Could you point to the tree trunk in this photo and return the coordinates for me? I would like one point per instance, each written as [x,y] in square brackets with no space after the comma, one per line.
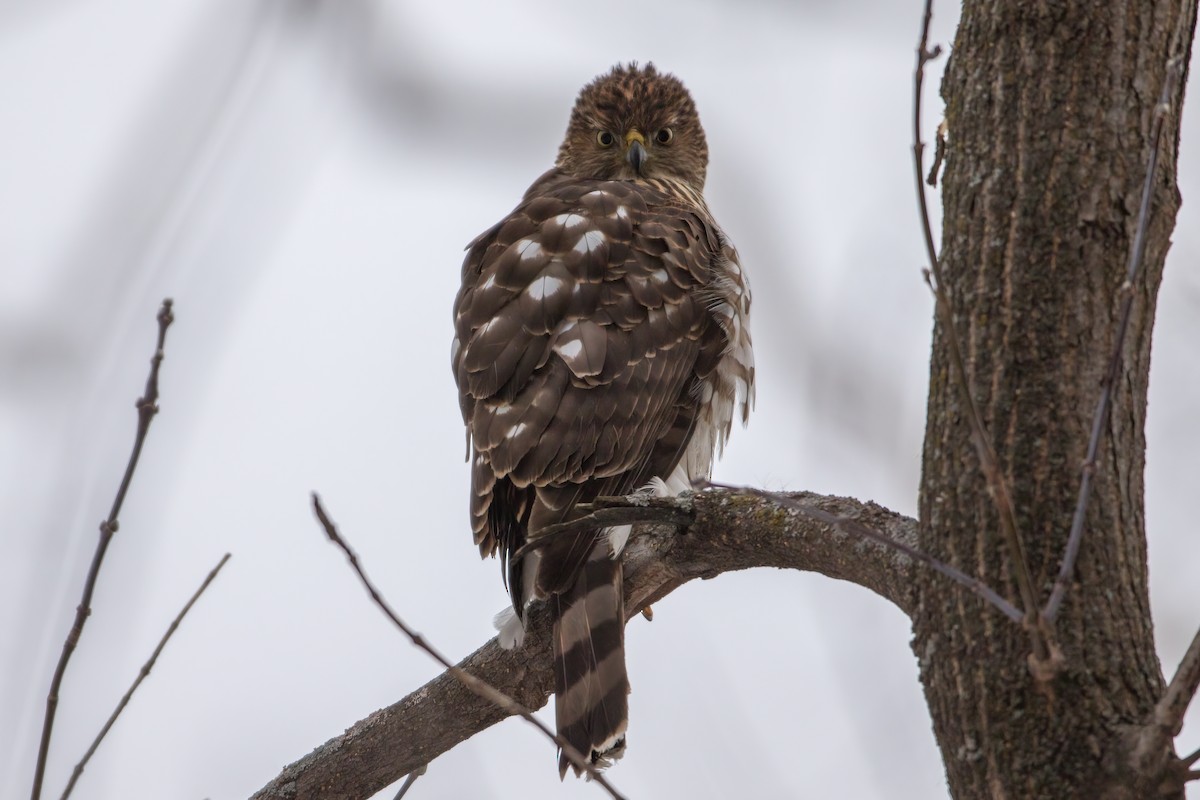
[1049,108]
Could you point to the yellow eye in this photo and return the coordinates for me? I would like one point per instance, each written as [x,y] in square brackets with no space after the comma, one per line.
[606,139]
[664,136]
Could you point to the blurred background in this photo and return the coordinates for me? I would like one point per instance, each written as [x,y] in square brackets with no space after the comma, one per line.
[301,177]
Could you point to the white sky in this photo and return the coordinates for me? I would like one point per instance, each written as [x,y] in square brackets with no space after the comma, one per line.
[301,177]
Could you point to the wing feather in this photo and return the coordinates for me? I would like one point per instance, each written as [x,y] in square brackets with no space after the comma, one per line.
[581,328]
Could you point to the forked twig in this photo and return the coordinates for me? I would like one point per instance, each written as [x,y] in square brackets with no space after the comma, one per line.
[142,674]
[1104,403]
[988,462]
[147,407]
[479,687]
[856,528]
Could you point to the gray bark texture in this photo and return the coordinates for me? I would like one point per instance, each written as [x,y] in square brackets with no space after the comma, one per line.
[1049,107]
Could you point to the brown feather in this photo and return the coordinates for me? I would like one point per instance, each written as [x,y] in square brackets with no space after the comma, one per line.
[601,341]
[591,687]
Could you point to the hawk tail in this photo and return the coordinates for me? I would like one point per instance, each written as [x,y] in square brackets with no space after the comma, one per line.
[590,683]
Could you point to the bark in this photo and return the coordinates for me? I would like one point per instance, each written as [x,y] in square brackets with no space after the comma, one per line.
[728,532]
[1049,108]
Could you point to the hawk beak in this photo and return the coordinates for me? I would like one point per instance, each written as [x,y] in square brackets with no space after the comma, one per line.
[636,152]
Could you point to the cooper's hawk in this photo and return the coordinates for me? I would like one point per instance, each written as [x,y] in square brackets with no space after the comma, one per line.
[601,344]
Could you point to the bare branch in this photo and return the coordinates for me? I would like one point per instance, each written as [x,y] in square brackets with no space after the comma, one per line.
[408,782]
[997,485]
[1100,419]
[142,674]
[604,516]
[147,407]
[730,532]
[856,528]
[1169,712]
[479,687]
[924,55]
[1154,740]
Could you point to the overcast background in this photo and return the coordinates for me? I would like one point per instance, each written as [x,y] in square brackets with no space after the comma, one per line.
[301,177]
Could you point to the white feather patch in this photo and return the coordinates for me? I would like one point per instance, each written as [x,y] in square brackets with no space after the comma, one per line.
[589,241]
[679,481]
[657,487]
[569,221]
[528,249]
[571,349]
[544,286]
[511,633]
[617,537]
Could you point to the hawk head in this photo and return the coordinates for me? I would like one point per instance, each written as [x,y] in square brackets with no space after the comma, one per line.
[635,122]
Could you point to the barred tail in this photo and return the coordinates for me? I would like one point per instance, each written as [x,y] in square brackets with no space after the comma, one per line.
[591,685]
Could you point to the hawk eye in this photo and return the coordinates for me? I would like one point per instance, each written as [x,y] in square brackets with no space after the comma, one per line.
[664,136]
[606,139]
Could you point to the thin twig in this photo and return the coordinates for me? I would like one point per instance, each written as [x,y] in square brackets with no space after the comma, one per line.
[147,407]
[856,528]
[409,781]
[1175,701]
[1167,720]
[603,517]
[635,500]
[988,462]
[142,674]
[479,687]
[1104,403]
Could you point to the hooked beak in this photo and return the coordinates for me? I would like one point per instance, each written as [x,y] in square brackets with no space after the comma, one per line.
[635,152]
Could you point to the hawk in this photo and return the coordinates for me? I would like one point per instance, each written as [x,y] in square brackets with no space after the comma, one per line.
[601,346]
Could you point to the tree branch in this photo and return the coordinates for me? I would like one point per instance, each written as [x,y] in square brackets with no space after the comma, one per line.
[853,526]
[606,514]
[729,532]
[147,407]
[142,675]
[1153,744]
[1170,711]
